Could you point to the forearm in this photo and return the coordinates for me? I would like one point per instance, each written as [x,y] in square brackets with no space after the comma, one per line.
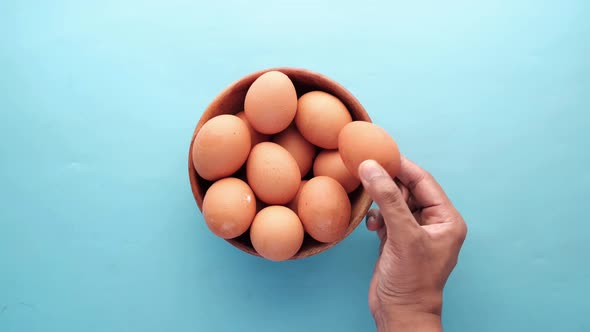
[401,321]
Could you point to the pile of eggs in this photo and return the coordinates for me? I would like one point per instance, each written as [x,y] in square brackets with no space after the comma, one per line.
[285,166]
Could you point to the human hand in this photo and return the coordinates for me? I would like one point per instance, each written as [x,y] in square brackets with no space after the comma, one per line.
[421,235]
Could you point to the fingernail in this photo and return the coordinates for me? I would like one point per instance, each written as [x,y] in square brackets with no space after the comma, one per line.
[370,169]
[371,223]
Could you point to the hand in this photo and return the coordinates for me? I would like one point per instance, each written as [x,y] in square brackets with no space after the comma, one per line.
[421,235]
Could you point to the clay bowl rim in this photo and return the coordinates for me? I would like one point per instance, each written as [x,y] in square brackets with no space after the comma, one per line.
[362,202]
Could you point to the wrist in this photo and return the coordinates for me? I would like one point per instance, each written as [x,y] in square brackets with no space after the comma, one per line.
[400,320]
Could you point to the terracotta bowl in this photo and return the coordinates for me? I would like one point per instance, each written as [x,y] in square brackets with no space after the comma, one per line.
[231,101]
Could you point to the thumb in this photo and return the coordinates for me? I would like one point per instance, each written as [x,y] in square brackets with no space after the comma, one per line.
[400,223]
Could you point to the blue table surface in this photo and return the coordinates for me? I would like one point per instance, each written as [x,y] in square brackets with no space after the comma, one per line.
[98,101]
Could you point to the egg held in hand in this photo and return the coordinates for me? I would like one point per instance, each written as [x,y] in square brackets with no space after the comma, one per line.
[359,141]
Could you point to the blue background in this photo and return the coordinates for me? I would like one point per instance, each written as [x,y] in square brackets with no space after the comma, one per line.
[98,102]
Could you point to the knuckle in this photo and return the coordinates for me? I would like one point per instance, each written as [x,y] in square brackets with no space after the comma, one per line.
[426,175]
[461,232]
[420,177]
[414,182]
[415,237]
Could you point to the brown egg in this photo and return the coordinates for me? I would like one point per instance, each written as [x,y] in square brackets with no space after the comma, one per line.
[229,207]
[320,117]
[254,135]
[359,141]
[273,173]
[324,209]
[276,233]
[298,147]
[329,163]
[271,102]
[295,202]
[221,147]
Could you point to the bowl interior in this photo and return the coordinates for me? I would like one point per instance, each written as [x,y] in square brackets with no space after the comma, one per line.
[231,101]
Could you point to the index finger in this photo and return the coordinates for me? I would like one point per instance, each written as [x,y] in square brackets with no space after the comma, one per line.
[421,184]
